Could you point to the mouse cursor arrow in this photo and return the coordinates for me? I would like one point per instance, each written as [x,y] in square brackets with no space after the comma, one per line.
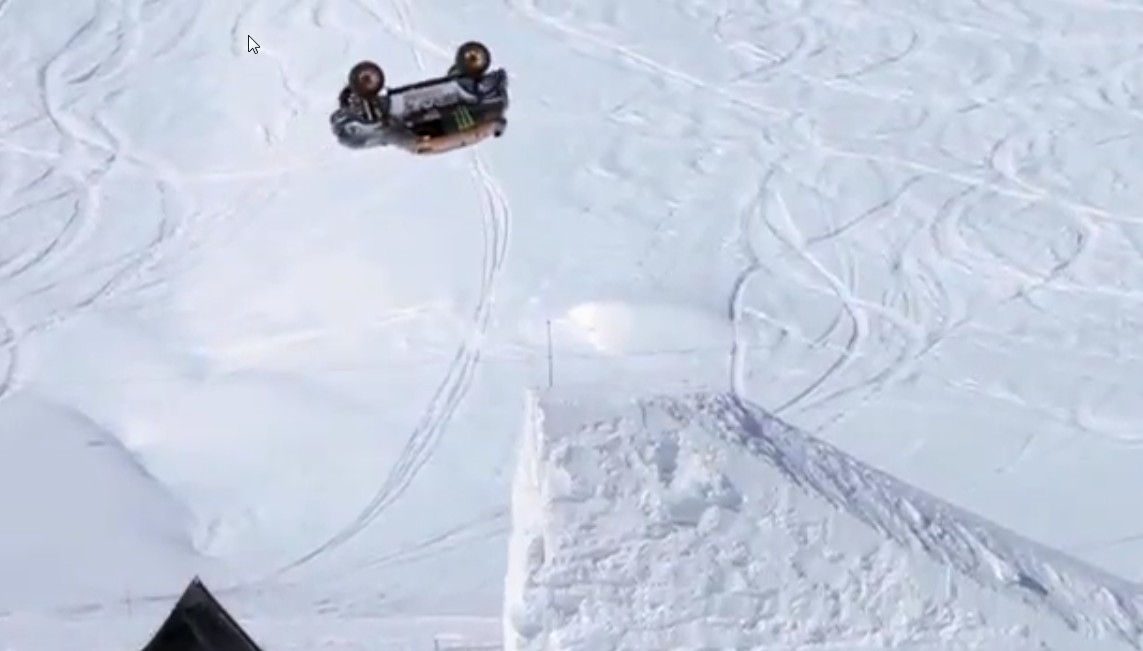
[251,44]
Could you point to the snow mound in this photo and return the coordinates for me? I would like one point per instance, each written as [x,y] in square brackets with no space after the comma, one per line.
[703,523]
[84,498]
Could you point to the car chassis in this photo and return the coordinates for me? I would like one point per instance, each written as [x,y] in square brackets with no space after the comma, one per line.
[433,116]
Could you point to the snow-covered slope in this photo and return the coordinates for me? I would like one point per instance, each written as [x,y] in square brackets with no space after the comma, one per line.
[700,522]
[71,493]
[911,228]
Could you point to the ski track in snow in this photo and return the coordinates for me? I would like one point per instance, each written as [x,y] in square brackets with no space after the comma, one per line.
[922,337]
[926,306]
[92,150]
[494,522]
[784,229]
[1034,76]
[79,160]
[96,148]
[454,386]
[8,350]
[496,215]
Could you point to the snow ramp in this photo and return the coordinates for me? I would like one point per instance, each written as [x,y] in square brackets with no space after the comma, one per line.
[701,522]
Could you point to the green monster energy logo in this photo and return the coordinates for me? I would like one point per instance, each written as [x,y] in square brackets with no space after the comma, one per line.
[463,118]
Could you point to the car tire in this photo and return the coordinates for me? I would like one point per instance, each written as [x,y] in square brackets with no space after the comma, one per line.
[366,79]
[473,59]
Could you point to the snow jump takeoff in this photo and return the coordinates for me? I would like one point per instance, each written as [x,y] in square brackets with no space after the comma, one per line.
[434,116]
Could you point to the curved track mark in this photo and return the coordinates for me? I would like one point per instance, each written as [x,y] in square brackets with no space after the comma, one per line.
[528,9]
[423,440]
[748,223]
[454,386]
[9,357]
[90,150]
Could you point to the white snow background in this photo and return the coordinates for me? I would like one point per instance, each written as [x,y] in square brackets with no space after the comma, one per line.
[230,347]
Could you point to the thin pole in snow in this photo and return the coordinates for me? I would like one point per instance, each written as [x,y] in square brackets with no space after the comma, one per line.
[550,356]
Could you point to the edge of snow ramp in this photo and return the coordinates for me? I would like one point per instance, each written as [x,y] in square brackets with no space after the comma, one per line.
[1089,600]
[198,622]
[619,501]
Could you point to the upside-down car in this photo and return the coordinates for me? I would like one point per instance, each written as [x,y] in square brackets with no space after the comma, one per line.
[459,109]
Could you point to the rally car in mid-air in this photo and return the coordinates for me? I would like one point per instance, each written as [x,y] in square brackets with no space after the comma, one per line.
[459,109]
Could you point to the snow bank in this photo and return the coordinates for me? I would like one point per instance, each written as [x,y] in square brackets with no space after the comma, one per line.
[83,523]
[700,523]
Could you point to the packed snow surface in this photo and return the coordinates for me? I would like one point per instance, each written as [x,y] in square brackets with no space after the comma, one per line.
[230,346]
[703,523]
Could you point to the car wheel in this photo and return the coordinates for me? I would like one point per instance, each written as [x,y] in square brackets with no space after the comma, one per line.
[366,79]
[473,59]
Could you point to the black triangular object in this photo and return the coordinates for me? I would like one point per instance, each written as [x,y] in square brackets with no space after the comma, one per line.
[198,622]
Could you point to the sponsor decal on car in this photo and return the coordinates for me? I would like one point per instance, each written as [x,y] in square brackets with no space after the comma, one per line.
[463,118]
[429,98]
